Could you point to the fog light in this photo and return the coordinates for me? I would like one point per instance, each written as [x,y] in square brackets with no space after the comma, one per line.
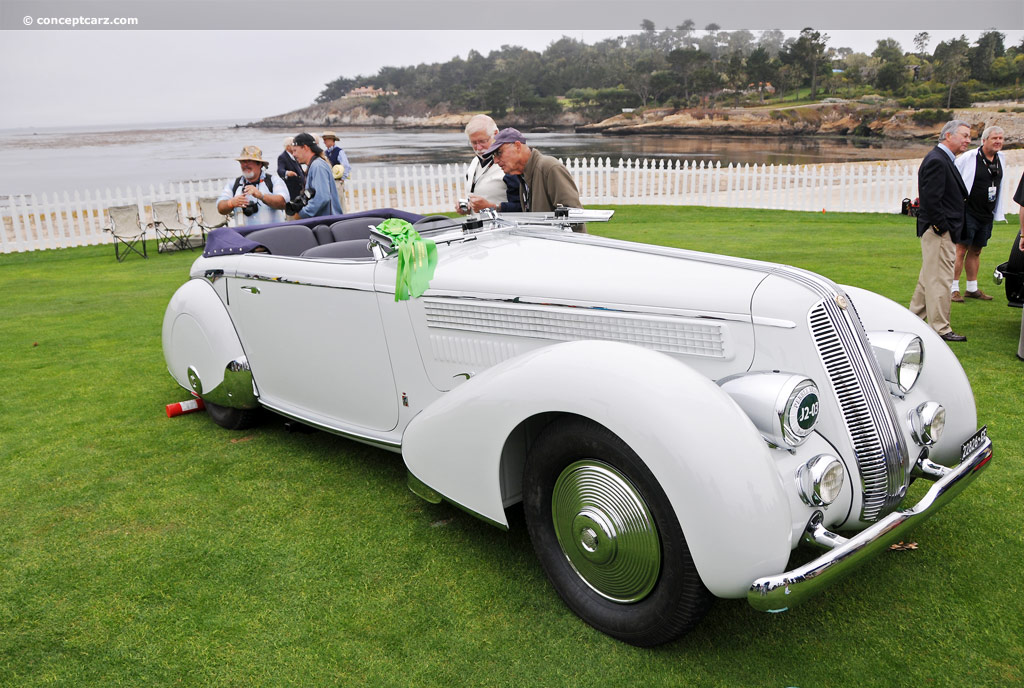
[927,422]
[820,480]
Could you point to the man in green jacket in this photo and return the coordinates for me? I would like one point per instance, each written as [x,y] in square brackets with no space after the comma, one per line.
[543,181]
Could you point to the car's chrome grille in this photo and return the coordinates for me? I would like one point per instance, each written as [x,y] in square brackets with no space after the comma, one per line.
[661,333]
[867,410]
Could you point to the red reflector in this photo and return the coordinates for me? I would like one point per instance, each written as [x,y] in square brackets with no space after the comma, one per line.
[982,464]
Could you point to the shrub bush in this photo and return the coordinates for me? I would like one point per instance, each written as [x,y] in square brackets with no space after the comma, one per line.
[926,117]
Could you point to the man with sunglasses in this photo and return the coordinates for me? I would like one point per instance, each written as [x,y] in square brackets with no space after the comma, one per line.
[543,181]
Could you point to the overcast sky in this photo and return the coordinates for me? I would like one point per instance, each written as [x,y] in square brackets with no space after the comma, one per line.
[74,78]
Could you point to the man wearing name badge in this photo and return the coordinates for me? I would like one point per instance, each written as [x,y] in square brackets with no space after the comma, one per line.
[319,179]
[982,171]
[340,166]
[543,181]
[258,194]
[487,185]
[940,220]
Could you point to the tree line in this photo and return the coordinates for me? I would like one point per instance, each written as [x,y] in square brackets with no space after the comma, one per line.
[682,67]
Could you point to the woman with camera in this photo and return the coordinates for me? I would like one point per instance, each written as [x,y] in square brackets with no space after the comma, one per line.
[258,192]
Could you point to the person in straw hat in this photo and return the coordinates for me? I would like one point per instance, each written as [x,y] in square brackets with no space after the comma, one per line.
[258,195]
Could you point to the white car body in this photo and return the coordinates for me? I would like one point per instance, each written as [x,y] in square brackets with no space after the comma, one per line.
[525,322]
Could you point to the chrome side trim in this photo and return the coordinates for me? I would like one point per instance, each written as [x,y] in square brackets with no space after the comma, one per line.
[284,280]
[786,590]
[355,435]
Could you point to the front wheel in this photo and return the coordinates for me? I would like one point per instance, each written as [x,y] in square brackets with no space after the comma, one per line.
[607,536]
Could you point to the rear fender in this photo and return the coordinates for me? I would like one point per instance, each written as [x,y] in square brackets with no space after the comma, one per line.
[202,349]
[707,456]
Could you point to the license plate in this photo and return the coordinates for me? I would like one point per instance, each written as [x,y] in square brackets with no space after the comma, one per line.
[976,440]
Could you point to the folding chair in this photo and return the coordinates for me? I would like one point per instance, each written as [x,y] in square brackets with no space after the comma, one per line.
[209,217]
[127,230]
[171,233]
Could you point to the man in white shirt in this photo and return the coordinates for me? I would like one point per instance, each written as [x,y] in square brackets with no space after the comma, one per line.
[487,186]
[258,194]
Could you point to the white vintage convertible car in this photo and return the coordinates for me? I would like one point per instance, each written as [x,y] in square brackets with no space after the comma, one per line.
[675,423]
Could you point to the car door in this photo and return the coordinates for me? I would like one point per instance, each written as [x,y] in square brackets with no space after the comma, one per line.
[313,335]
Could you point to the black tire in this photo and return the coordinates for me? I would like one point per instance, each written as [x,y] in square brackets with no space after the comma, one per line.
[636,582]
[232,418]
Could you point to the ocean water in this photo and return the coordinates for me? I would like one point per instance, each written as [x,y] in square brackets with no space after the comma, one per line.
[57,160]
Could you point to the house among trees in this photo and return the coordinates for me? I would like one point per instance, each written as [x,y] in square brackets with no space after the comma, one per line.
[368,92]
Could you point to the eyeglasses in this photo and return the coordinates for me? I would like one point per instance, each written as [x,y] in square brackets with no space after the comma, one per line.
[499,151]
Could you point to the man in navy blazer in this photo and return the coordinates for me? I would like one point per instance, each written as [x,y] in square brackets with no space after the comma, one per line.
[939,222]
[289,169]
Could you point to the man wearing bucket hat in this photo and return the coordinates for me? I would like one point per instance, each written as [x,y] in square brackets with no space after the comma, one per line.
[258,195]
[318,179]
[543,181]
[340,166]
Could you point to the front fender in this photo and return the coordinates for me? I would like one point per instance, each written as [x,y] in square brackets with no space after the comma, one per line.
[706,454]
[202,349]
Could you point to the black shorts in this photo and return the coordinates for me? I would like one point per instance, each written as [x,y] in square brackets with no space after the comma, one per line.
[976,232]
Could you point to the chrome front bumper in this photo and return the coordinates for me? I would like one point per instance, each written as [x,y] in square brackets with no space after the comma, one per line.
[785,590]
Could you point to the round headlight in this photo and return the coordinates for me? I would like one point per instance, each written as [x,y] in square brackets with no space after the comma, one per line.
[820,480]
[900,356]
[927,422]
[908,365]
[800,413]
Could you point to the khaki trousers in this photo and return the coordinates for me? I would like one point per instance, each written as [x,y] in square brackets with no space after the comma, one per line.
[931,299]
[341,194]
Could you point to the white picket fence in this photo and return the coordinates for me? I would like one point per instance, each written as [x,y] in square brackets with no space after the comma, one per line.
[46,221]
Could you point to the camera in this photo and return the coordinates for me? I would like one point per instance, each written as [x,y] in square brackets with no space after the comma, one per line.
[251,208]
[464,205]
[299,202]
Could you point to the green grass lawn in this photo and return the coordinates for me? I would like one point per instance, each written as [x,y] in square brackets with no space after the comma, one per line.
[137,550]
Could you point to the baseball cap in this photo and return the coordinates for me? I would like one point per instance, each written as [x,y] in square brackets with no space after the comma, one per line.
[508,135]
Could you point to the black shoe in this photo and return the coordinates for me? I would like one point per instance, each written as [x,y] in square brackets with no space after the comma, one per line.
[1020,357]
[954,337]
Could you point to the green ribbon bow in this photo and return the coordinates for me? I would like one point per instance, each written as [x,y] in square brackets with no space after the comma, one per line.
[417,258]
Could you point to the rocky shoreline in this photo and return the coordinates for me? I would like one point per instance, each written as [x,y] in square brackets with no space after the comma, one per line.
[820,119]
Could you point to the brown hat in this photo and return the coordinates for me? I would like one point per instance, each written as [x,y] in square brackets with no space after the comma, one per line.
[329,135]
[254,154]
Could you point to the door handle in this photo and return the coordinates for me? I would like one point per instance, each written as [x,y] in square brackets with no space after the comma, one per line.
[251,290]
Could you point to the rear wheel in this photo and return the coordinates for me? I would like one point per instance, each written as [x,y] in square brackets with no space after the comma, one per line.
[232,418]
[607,537]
